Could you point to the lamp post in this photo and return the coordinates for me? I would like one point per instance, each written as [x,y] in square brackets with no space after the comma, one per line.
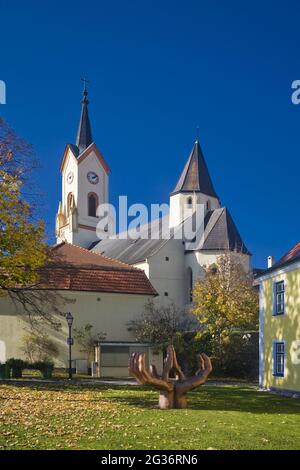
[70,341]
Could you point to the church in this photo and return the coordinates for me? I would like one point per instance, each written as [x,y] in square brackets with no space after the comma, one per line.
[107,280]
[171,265]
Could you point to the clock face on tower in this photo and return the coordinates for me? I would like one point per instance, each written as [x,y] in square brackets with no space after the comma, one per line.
[92,177]
[70,177]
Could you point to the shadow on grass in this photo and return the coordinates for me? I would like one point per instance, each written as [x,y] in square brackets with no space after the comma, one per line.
[206,398]
[220,398]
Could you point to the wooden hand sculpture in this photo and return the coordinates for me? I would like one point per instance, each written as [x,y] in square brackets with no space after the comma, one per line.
[173,392]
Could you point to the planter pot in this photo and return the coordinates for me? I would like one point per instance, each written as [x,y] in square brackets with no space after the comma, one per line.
[16,373]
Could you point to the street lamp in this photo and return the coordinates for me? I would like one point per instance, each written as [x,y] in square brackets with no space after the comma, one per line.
[70,341]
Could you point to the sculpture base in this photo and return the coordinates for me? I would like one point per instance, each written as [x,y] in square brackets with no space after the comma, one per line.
[171,401]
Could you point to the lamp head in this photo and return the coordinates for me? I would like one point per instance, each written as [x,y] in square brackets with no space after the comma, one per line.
[69,318]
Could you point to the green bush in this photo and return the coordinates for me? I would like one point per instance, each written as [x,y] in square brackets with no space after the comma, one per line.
[17,363]
[16,366]
[4,371]
[239,357]
[236,356]
[45,367]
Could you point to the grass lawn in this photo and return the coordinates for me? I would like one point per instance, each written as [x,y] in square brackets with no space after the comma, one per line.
[118,417]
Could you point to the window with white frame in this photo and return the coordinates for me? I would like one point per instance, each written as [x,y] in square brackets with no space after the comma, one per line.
[278,358]
[279,298]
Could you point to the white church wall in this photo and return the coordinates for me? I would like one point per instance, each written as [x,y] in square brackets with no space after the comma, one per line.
[80,187]
[179,209]
[175,216]
[198,260]
[90,163]
[166,274]
[206,258]
[70,166]
[172,276]
[144,266]
[191,262]
[84,237]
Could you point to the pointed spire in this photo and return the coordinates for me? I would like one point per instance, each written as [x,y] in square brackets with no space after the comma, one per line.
[195,175]
[84,134]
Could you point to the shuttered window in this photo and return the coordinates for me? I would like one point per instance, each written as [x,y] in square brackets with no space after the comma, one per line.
[279,298]
[114,356]
[278,357]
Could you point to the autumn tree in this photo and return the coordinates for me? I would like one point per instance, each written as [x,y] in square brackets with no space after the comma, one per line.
[159,324]
[38,346]
[86,338]
[22,247]
[162,325]
[225,303]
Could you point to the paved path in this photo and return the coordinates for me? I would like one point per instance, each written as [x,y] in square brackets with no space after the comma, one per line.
[119,382]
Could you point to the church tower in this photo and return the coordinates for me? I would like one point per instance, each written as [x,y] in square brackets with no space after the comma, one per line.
[84,186]
[193,187]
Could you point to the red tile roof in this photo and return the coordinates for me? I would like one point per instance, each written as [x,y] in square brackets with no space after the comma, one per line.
[67,254]
[290,256]
[77,269]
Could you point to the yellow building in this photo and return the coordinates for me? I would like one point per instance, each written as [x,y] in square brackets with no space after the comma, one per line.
[279,355]
[99,291]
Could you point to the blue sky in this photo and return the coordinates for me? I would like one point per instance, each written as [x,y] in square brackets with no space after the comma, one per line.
[158,70]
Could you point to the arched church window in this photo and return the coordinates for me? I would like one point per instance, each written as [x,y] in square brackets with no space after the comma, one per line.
[70,201]
[92,204]
[189,202]
[190,285]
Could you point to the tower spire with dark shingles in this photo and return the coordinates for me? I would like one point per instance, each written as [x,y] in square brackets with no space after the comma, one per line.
[84,134]
[195,176]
